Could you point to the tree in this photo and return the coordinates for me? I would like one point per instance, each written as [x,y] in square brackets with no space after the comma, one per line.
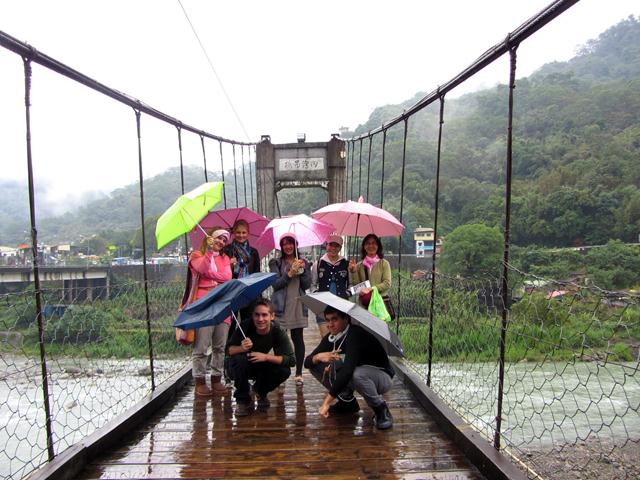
[473,250]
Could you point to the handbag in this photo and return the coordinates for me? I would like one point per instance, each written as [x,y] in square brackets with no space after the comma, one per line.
[389,306]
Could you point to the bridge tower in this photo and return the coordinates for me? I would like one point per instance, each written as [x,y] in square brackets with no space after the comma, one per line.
[299,165]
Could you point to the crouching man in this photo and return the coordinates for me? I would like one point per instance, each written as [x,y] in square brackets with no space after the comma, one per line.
[250,358]
[349,358]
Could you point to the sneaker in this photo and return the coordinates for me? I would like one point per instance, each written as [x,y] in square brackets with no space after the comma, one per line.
[263,403]
[243,409]
[344,408]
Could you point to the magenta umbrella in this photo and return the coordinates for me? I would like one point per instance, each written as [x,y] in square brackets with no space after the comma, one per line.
[307,230]
[359,219]
[227,219]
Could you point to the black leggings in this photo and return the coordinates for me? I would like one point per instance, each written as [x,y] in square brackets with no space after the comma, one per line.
[298,347]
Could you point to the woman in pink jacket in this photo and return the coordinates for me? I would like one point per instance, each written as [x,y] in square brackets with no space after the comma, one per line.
[209,267]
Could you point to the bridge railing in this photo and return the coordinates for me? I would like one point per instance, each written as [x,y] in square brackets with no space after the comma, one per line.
[96,355]
[571,394]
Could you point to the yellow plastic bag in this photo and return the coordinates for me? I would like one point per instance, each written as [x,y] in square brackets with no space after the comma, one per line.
[376,306]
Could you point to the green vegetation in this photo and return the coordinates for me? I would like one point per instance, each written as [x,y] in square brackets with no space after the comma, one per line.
[472,251]
[115,327]
[572,328]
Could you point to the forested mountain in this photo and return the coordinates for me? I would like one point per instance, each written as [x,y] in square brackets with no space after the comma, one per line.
[576,160]
[576,151]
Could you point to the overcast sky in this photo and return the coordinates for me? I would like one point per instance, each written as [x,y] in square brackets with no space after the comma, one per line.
[287,66]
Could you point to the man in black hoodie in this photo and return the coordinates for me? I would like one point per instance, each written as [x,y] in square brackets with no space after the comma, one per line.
[349,358]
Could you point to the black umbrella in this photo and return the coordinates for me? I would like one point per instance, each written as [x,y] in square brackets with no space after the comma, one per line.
[318,301]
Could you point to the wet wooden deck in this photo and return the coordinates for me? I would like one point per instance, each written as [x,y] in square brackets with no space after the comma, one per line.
[201,438]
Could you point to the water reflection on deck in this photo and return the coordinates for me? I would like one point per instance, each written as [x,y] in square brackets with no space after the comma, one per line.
[202,438]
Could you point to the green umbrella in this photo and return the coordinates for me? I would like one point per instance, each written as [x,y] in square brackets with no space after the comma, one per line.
[187,211]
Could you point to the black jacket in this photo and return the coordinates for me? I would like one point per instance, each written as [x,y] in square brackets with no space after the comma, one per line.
[359,348]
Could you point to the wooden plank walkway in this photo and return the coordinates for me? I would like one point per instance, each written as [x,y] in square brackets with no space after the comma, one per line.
[198,438]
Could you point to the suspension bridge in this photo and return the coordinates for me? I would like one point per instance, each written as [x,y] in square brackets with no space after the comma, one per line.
[470,400]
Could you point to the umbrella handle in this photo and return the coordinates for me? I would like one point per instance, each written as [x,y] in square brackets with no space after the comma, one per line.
[238,324]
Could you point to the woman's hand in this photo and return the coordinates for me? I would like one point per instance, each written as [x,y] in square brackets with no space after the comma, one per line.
[233,261]
[365,290]
[352,265]
[209,243]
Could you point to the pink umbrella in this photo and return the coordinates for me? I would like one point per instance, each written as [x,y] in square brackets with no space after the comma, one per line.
[226,219]
[307,230]
[359,219]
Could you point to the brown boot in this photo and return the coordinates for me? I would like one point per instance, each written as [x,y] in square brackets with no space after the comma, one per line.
[201,387]
[217,386]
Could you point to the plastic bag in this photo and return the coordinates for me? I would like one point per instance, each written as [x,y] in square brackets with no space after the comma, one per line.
[376,306]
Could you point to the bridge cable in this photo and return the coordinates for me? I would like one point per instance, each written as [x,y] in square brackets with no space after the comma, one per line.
[404,158]
[369,167]
[384,148]
[186,240]
[144,253]
[435,240]
[360,170]
[34,251]
[224,90]
[204,159]
[507,226]
[235,173]
[244,178]
[224,185]
[251,177]
[353,151]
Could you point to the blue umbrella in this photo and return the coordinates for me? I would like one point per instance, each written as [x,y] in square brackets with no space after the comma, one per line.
[220,302]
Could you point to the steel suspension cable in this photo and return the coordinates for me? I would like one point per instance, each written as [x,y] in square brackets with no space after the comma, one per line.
[251,177]
[435,240]
[404,158]
[144,252]
[204,159]
[369,167]
[524,31]
[353,149]
[22,49]
[360,170]
[44,375]
[235,172]
[507,226]
[186,244]
[224,185]
[244,179]
[384,147]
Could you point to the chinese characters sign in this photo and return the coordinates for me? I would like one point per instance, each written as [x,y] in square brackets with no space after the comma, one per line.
[301,164]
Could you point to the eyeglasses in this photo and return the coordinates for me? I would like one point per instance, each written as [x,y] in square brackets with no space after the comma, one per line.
[334,244]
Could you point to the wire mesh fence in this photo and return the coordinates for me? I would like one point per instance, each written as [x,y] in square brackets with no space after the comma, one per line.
[97,360]
[571,402]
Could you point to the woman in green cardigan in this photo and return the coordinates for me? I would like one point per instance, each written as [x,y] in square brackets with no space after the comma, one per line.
[372,267]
